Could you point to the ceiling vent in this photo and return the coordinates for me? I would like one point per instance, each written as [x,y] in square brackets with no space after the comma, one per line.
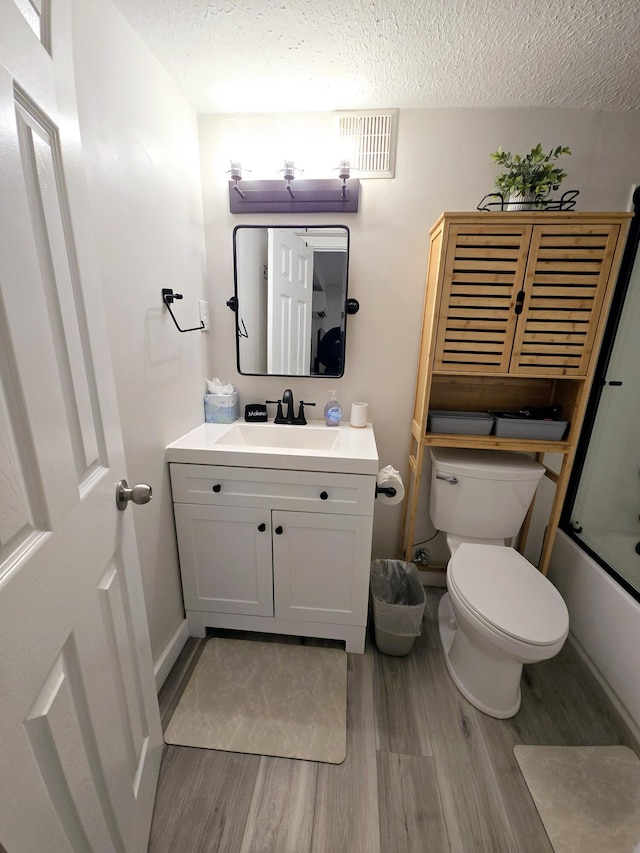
[370,138]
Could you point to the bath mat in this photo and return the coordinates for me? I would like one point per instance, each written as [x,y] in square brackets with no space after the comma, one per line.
[265,699]
[588,797]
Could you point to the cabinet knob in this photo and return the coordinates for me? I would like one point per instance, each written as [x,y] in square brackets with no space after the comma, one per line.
[216,488]
[324,496]
[279,529]
[262,527]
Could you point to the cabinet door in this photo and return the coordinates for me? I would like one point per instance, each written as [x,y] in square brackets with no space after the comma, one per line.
[321,567]
[566,280]
[482,273]
[225,558]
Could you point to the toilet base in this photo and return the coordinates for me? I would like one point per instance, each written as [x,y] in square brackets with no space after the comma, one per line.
[490,682]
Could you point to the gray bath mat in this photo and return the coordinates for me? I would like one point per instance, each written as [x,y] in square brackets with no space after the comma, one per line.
[587,796]
[265,699]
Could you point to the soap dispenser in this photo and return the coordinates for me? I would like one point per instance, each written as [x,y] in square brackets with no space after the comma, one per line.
[332,411]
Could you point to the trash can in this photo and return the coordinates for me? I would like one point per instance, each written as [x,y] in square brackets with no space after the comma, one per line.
[398,599]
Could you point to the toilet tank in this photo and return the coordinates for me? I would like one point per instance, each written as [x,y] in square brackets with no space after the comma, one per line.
[481,493]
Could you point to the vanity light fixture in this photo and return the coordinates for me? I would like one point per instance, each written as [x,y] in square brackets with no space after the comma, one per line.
[344,173]
[322,195]
[289,173]
[236,175]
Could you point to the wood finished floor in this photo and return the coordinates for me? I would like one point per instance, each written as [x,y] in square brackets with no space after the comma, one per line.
[424,770]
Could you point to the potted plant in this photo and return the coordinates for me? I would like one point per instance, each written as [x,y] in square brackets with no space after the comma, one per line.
[527,181]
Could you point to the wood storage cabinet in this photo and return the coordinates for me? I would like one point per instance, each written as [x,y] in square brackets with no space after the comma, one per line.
[514,312]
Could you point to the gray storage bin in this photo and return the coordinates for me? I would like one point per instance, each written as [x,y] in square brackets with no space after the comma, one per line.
[511,426]
[466,423]
[399,600]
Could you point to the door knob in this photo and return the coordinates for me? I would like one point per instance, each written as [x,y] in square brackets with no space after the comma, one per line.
[279,530]
[140,494]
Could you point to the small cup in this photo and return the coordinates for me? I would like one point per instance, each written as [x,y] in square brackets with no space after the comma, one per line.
[359,414]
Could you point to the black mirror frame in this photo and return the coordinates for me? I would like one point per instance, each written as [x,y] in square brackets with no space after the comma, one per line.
[351,305]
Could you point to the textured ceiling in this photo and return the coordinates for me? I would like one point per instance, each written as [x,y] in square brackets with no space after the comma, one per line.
[293,55]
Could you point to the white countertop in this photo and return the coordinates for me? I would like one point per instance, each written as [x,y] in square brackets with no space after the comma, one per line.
[355,451]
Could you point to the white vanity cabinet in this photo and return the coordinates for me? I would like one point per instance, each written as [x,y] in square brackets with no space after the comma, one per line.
[280,551]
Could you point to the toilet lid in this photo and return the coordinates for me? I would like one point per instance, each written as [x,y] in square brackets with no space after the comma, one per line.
[504,590]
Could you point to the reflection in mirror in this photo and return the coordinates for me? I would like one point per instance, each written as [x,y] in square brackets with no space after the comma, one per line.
[291,290]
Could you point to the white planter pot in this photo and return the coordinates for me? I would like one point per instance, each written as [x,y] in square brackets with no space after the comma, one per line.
[521,202]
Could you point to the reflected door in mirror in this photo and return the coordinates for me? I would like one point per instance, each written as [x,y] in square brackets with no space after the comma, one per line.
[289,296]
[291,290]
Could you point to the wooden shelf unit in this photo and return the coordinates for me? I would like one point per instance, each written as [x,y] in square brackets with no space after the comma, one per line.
[514,312]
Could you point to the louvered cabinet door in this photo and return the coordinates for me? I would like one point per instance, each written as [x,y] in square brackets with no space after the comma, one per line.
[566,283]
[483,271]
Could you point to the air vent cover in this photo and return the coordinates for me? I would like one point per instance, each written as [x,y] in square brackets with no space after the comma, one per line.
[370,138]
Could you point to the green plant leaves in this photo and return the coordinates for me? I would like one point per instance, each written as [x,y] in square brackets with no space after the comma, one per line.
[532,174]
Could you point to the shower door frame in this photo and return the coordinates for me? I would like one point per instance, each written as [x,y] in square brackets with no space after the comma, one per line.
[629,258]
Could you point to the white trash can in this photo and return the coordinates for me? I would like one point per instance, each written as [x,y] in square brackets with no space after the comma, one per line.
[398,599]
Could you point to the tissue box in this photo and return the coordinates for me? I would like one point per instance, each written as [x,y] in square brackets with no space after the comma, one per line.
[221,408]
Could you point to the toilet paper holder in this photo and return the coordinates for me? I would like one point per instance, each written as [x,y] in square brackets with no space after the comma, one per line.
[389,486]
[389,491]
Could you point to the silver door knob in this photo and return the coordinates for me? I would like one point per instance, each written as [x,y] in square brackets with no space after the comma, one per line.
[140,494]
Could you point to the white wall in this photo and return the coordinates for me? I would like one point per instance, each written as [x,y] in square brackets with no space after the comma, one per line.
[443,163]
[140,144]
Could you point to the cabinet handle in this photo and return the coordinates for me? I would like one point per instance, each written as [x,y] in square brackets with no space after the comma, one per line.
[324,496]
[262,527]
[519,302]
[216,488]
[279,529]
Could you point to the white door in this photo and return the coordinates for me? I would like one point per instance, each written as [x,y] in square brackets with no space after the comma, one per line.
[80,738]
[289,304]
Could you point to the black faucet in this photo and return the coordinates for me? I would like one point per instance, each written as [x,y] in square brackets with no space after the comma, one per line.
[287,399]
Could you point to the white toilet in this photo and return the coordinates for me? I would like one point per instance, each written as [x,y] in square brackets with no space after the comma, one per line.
[500,611]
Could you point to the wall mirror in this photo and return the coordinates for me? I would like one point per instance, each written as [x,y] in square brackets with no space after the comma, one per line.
[291,299]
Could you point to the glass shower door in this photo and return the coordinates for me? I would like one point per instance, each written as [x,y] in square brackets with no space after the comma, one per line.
[605,516]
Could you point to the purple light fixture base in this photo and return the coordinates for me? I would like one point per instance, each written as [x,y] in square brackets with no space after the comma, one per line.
[323,195]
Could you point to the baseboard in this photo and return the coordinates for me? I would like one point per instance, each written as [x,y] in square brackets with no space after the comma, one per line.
[163,666]
[611,695]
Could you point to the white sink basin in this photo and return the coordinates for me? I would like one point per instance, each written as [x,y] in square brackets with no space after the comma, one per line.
[281,436]
[314,447]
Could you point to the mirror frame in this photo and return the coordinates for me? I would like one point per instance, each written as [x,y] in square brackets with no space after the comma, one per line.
[348,309]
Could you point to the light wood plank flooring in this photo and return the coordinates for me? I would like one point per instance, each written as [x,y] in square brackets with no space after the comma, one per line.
[424,770]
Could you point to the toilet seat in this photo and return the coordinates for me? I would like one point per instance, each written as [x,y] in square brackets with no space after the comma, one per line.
[507,594]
